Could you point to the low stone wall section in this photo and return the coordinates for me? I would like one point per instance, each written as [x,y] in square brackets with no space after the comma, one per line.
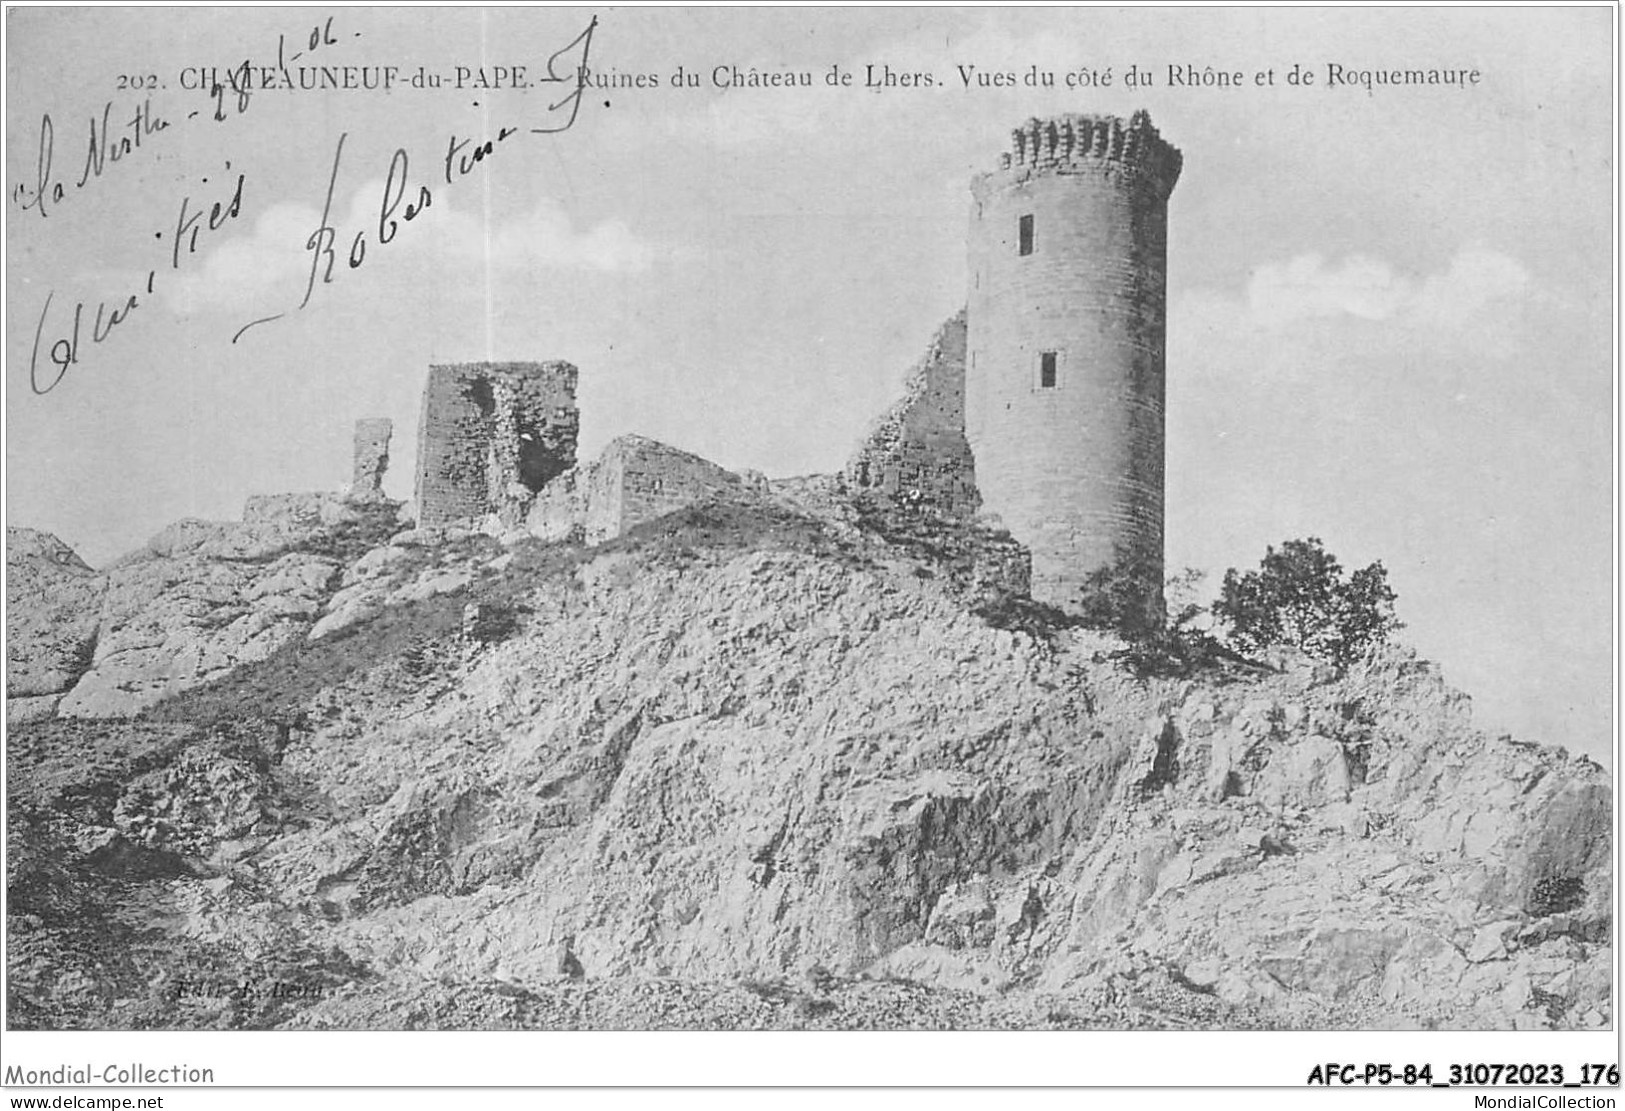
[636,479]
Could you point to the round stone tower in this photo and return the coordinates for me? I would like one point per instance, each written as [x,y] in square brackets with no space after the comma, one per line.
[1064,362]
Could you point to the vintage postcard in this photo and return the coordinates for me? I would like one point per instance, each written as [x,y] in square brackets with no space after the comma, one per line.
[632,520]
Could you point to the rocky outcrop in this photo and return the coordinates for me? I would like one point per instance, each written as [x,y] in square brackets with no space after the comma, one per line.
[407,569]
[197,601]
[695,806]
[1362,845]
[275,520]
[52,602]
[756,750]
[169,624]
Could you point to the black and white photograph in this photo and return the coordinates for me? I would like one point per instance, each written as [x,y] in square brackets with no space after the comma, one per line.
[1065,520]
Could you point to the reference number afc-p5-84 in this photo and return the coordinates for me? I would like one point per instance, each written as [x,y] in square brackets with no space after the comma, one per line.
[1464,1074]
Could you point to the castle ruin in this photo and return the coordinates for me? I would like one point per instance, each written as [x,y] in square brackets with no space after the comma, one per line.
[1064,378]
[372,436]
[491,435]
[636,479]
[916,451]
[1041,405]
[496,451]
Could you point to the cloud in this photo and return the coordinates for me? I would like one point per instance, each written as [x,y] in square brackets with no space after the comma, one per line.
[1459,305]
[546,238]
[1306,288]
[248,271]
[1477,279]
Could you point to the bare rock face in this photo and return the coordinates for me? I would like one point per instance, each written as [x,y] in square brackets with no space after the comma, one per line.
[169,624]
[203,598]
[790,824]
[24,709]
[211,799]
[1311,773]
[1366,848]
[772,762]
[280,518]
[53,599]
[397,574]
[549,786]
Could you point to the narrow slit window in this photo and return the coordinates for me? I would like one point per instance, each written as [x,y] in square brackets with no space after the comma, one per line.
[1025,234]
[1046,370]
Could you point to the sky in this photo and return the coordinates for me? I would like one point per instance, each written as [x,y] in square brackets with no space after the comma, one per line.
[1389,308]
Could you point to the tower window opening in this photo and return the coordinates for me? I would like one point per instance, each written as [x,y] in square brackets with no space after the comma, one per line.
[1046,370]
[1025,234]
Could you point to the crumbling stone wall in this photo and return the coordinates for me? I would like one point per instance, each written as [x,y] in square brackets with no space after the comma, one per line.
[559,512]
[636,479]
[916,453]
[371,458]
[491,436]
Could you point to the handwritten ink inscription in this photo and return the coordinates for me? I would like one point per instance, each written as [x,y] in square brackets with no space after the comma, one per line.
[63,339]
[108,144]
[64,351]
[405,199]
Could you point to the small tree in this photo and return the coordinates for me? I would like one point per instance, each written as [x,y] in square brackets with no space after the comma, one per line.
[1117,597]
[1162,640]
[1299,598]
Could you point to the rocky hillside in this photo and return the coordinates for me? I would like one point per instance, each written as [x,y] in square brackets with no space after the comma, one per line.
[756,764]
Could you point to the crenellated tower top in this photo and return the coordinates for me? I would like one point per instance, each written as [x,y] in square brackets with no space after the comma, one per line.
[1074,143]
[1065,366]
